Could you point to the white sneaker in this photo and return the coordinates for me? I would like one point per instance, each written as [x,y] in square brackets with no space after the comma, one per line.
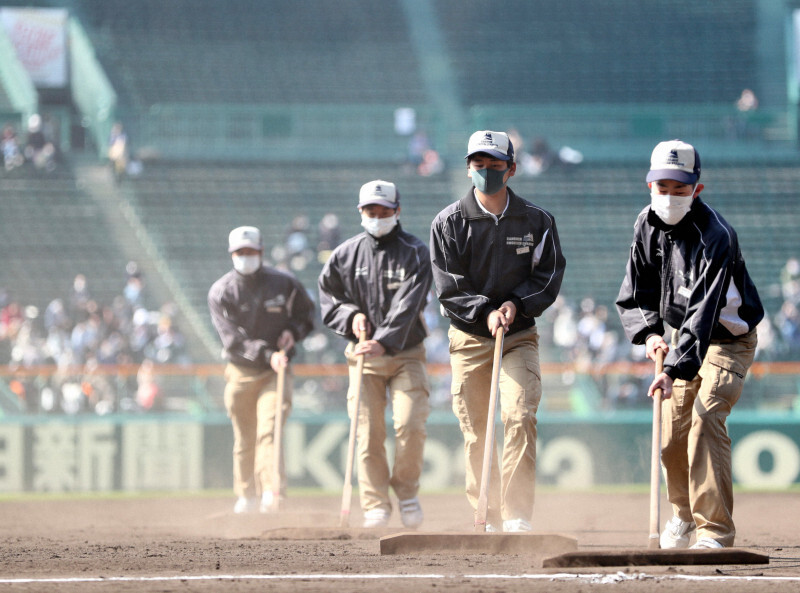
[706,543]
[516,526]
[411,512]
[491,528]
[245,505]
[266,502]
[376,518]
[676,533]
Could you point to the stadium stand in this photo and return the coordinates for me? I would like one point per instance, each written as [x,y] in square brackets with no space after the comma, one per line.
[574,51]
[50,231]
[246,52]
[301,74]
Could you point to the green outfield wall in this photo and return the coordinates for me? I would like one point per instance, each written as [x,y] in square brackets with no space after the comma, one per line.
[174,453]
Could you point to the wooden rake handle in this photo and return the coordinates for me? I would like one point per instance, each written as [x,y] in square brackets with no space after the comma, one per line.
[277,439]
[347,491]
[482,510]
[655,460]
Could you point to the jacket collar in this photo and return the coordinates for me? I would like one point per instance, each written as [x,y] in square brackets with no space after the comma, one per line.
[471,209]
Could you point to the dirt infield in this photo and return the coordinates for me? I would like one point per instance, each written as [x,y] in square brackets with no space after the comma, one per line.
[197,544]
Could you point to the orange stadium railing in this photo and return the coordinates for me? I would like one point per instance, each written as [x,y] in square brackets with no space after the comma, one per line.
[574,387]
[759,369]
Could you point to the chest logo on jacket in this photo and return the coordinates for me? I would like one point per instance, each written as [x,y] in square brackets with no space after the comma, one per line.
[275,305]
[523,244]
[395,278]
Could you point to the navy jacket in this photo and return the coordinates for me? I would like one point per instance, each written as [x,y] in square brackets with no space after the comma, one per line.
[693,277]
[478,263]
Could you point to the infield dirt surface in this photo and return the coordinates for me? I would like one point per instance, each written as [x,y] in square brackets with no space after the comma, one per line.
[174,543]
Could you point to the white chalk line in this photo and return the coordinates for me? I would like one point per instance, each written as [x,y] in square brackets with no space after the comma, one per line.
[583,577]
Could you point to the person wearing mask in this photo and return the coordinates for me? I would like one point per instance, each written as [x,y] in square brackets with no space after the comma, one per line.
[686,271]
[260,314]
[376,284]
[497,266]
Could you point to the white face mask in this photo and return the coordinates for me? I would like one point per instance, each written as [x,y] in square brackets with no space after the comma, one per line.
[246,264]
[671,209]
[378,227]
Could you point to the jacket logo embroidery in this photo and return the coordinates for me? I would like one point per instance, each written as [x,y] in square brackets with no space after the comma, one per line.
[275,305]
[524,241]
[398,274]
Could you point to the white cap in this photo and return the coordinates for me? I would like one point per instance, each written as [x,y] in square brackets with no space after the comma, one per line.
[676,160]
[244,236]
[496,144]
[379,192]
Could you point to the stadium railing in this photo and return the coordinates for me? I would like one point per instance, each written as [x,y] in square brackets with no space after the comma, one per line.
[573,388]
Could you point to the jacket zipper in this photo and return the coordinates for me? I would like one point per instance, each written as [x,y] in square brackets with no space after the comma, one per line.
[665,276]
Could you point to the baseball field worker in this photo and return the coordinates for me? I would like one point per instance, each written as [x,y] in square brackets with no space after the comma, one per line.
[378,282]
[497,263]
[686,271]
[260,314]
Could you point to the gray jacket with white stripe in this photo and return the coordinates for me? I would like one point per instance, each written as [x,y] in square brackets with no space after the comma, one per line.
[693,277]
[479,262]
[250,313]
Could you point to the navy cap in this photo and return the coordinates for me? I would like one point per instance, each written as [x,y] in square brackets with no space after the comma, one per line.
[674,160]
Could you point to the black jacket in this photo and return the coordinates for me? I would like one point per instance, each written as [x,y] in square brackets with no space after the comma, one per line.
[691,276]
[478,263]
[250,313]
[387,279]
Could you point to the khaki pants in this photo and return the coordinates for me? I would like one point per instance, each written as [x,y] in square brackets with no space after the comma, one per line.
[405,377]
[250,398]
[696,449]
[511,493]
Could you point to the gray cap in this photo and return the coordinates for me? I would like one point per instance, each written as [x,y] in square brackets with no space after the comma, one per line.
[379,192]
[244,236]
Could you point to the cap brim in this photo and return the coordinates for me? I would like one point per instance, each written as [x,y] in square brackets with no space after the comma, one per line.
[247,245]
[675,175]
[391,205]
[494,153]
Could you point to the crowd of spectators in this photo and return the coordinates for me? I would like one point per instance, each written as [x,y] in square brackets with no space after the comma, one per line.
[782,338]
[77,334]
[37,149]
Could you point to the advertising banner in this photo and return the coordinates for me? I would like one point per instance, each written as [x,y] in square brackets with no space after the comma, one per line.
[39,36]
[165,454]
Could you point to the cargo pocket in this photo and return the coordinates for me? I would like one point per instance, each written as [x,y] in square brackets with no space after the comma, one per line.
[459,407]
[533,386]
[728,378]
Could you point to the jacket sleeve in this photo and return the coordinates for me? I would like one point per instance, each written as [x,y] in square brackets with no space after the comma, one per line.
[300,308]
[456,294]
[639,298]
[336,308]
[238,345]
[541,288]
[407,303]
[705,303]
